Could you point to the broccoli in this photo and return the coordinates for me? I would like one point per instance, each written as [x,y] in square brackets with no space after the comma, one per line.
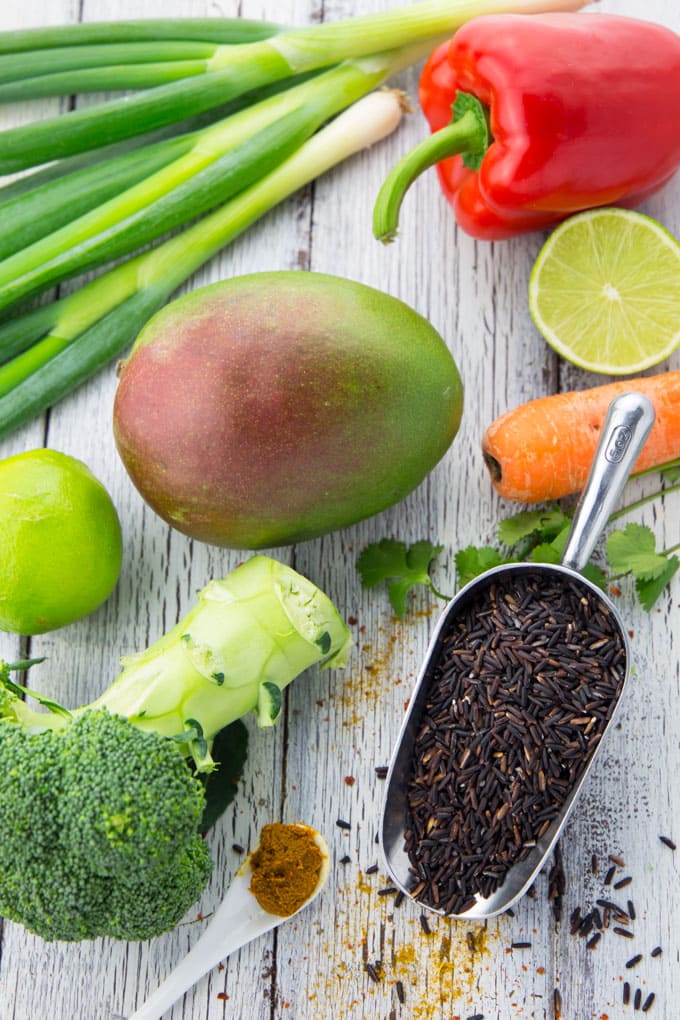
[100,806]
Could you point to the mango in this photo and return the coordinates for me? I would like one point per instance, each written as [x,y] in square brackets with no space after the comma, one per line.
[275,407]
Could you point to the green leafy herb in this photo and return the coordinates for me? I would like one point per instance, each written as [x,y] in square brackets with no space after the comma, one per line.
[536,536]
[474,560]
[546,523]
[402,567]
[633,551]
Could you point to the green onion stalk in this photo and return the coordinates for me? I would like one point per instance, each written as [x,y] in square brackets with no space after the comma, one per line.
[210,167]
[235,69]
[125,173]
[75,336]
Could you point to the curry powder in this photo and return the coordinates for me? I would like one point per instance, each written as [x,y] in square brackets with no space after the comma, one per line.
[285,868]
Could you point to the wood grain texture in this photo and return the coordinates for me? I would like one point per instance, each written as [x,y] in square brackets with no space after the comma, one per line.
[319,763]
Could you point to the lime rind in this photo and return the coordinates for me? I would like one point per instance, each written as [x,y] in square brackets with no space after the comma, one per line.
[605,291]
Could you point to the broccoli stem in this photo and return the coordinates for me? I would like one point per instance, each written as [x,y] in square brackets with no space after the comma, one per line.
[247,638]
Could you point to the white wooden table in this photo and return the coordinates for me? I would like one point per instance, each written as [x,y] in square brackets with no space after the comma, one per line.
[319,763]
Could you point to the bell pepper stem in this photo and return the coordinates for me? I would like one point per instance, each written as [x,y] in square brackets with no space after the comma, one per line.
[467,134]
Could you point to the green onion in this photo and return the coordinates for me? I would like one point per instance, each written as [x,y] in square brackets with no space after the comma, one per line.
[210,30]
[133,170]
[222,159]
[236,69]
[28,216]
[95,324]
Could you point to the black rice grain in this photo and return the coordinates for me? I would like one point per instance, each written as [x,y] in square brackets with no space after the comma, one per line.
[656,951]
[557,1004]
[626,993]
[401,995]
[648,1002]
[667,841]
[633,961]
[625,932]
[372,973]
[638,998]
[526,678]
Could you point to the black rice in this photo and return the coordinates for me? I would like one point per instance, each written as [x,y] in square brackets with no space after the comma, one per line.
[633,961]
[372,972]
[656,951]
[648,1002]
[527,675]
[667,841]
[610,874]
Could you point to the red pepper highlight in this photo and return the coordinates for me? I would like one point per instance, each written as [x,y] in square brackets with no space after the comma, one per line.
[583,110]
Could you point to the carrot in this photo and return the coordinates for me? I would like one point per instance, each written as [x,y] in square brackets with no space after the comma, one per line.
[543,449]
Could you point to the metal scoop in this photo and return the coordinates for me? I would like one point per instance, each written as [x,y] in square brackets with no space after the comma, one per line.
[238,920]
[629,420]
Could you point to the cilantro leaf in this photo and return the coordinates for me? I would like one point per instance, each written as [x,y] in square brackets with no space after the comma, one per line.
[544,553]
[633,550]
[400,566]
[546,523]
[649,589]
[474,560]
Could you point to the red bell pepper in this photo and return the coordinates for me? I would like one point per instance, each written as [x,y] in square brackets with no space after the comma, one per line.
[555,113]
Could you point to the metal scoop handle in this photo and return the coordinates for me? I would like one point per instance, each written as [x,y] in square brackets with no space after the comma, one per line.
[628,423]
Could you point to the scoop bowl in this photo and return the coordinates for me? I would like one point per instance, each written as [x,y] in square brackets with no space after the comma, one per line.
[625,431]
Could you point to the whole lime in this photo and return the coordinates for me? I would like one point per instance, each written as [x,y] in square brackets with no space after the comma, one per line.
[60,539]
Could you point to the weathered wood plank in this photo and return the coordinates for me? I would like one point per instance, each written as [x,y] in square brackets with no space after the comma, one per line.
[318,765]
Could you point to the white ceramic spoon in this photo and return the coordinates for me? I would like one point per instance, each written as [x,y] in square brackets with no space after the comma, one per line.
[238,919]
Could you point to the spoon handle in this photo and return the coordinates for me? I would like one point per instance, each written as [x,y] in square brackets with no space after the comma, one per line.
[628,423]
[229,929]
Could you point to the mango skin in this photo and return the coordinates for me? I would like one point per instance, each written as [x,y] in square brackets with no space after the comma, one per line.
[276,407]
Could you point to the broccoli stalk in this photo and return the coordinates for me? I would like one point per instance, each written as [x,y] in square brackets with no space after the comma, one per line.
[99,829]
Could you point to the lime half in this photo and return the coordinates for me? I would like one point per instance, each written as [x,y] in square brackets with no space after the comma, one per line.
[605,291]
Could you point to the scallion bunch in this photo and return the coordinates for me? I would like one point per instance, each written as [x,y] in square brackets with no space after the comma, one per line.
[229,117]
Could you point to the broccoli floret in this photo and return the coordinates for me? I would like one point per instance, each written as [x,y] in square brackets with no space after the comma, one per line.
[102,823]
[100,807]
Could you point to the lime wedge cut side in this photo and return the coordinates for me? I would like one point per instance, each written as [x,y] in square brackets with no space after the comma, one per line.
[605,291]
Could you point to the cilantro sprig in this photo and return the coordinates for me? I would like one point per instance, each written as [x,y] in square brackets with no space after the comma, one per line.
[402,567]
[536,536]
